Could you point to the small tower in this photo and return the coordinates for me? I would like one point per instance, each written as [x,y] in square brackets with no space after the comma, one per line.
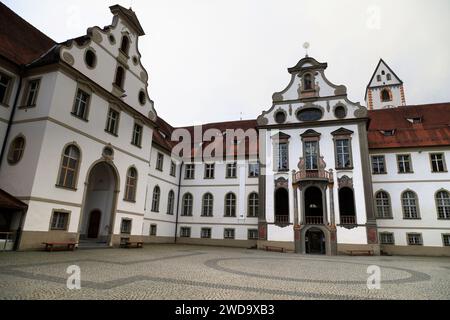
[385,89]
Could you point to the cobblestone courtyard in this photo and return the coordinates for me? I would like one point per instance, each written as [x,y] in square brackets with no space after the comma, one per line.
[199,272]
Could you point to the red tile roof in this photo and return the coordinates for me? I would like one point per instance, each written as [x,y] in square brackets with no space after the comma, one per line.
[434,129]
[20,42]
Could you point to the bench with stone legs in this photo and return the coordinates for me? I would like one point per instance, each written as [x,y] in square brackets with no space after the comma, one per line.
[133,244]
[51,246]
[273,248]
[360,252]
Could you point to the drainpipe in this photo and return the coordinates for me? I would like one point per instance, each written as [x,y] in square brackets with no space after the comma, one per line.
[178,200]
[13,111]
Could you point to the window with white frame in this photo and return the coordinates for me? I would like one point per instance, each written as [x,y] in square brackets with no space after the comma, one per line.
[205,233]
[187,205]
[437,162]
[153,229]
[60,220]
[253,170]
[443,204]
[32,92]
[253,204]
[173,168]
[5,83]
[137,135]
[283,156]
[207,205]
[409,205]
[159,161]
[343,154]
[125,226]
[252,234]
[378,165]
[231,170]
[189,172]
[209,170]
[185,232]
[446,239]
[414,239]
[383,205]
[170,202]
[230,205]
[155,199]
[387,238]
[81,106]
[228,234]
[311,154]
[112,122]
[404,163]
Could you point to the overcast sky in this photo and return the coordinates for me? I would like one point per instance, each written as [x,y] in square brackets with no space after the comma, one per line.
[211,60]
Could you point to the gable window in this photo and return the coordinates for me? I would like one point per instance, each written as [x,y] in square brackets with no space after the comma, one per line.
[205,233]
[378,165]
[443,204]
[437,162]
[379,78]
[387,238]
[311,154]
[414,239]
[409,205]
[120,75]
[60,220]
[253,203]
[307,82]
[230,205]
[385,95]
[32,92]
[173,168]
[155,199]
[252,234]
[68,171]
[343,154]
[388,76]
[185,232]
[137,135]
[189,172]
[280,117]
[309,114]
[125,226]
[231,170]
[81,105]
[112,122]
[153,229]
[170,202]
[187,205]
[90,58]
[5,83]
[383,205]
[340,112]
[209,171]
[125,45]
[404,163]
[253,170]
[159,161]
[16,150]
[131,185]
[228,234]
[207,205]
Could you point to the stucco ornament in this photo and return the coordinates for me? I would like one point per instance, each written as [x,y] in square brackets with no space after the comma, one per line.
[67,57]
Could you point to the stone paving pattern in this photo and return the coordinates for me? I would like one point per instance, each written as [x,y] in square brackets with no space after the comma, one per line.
[201,272]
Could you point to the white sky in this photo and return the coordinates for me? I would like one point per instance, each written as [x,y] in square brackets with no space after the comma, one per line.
[210,60]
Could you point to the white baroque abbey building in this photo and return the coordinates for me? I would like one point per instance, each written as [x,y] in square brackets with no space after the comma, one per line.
[85,157]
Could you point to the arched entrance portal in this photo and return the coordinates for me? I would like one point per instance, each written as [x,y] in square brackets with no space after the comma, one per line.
[99,206]
[315,241]
[313,206]
[281,206]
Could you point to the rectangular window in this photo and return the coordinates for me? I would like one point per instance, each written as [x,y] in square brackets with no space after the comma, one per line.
[137,135]
[173,169]
[81,105]
[189,172]
[5,83]
[112,123]
[311,154]
[437,162]
[378,165]
[414,239]
[228,234]
[153,229]
[125,226]
[253,170]
[343,157]
[159,161]
[446,239]
[252,234]
[209,171]
[60,220]
[231,170]
[185,232]
[32,91]
[206,233]
[404,163]
[283,157]
[386,238]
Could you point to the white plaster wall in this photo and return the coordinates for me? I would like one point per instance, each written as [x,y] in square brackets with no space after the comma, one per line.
[395,102]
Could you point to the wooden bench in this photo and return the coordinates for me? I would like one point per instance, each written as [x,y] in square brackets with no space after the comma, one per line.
[360,252]
[272,248]
[133,244]
[50,246]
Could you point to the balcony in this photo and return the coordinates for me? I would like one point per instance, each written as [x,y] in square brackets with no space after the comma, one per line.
[318,174]
[348,220]
[314,220]
[281,220]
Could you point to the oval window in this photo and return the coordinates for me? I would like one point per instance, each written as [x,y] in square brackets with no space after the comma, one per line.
[90,58]
[340,112]
[112,40]
[280,117]
[142,97]
[16,150]
[310,114]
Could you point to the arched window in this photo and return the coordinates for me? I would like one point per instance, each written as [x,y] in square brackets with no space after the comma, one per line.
[443,204]
[385,95]
[70,164]
[16,150]
[170,202]
[155,199]
[230,205]
[125,45]
[409,204]
[187,205]
[388,76]
[383,205]
[253,203]
[120,73]
[207,205]
[307,82]
[131,185]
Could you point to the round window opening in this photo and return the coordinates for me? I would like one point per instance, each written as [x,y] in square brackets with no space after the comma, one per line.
[90,58]
[340,112]
[108,152]
[310,114]
[112,39]
[280,117]
[135,60]
[142,97]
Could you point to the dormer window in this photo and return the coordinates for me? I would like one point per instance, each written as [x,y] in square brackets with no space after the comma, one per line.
[307,82]
[415,120]
[125,45]
[385,95]
[120,74]
[388,133]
